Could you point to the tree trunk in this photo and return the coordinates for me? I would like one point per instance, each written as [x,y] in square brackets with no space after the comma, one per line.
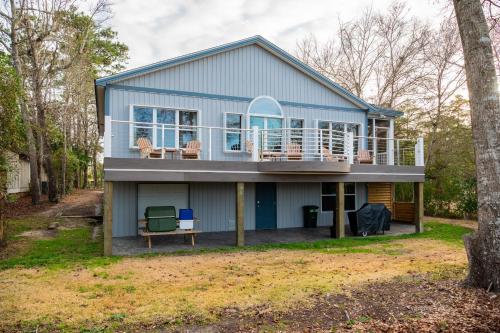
[86,170]
[483,247]
[94,164]
[63,162]
[25,112]
[42,123]
[3,193]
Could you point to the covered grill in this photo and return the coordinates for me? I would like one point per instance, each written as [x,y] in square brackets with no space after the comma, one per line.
[369,219]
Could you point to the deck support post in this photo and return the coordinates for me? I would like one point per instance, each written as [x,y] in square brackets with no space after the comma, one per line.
[240,214]
[339,210]
[418,199]
[108,218]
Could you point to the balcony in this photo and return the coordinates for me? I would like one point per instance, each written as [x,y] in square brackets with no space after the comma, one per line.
[285,149]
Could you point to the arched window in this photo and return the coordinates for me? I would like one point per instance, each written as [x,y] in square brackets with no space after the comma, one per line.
[265,106]
[266,113]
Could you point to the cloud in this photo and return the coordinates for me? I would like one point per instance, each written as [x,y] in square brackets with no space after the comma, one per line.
[156,29]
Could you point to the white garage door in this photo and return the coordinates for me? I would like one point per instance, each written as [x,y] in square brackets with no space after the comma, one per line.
[162,195]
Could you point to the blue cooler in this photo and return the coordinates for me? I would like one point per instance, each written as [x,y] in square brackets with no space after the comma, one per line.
[186,218]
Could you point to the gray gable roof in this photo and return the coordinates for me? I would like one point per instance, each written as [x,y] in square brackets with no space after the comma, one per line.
[267,45]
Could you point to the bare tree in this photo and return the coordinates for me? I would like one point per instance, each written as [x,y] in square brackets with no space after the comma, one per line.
[445,76]
[322,57]
[483,247]
[400,70]
[492,10]
[351,63]
[360,51]
[379,56]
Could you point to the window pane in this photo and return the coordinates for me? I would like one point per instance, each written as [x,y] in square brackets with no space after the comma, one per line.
[233,120]
[323,125]
[381,123]
[167,117]
[265,106]
[296,123]
[328,203]
[188,118]
[257,121]
[273,123]
[164,116]
[328,188]
[349,188]
[185,136]
[338,127]
[233,141]
[350,202]
[353,128]
[168,139]
[145,116]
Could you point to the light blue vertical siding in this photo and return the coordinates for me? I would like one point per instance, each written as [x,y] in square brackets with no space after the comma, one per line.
[215,205]
[124,209]
[290,199]
[246,72]
[211,113]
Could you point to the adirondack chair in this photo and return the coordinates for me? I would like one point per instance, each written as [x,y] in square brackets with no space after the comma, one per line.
[293,152]
[146,149]
[249,146]
[364,157]
[192,150]
[328,156]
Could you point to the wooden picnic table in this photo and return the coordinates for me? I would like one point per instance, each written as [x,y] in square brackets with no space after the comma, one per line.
[148,234]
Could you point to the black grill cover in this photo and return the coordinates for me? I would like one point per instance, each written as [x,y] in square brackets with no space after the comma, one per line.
[369,219]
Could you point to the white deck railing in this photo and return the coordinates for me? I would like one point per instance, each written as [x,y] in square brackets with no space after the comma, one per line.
[279,144]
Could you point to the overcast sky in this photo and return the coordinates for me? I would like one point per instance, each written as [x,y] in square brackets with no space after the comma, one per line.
[156,30]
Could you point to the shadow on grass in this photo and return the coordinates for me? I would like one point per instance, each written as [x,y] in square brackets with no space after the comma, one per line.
[75,247]
[452,234]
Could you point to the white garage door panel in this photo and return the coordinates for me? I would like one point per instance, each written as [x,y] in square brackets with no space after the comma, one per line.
[162,195]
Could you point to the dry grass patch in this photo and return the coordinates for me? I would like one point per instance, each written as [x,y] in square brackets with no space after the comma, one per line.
[167,289]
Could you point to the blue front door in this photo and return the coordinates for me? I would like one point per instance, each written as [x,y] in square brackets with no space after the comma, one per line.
[265,206]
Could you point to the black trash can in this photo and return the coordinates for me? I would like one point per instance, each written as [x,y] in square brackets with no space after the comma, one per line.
[310,216]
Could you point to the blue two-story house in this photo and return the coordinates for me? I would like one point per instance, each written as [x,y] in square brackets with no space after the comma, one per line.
[245,134]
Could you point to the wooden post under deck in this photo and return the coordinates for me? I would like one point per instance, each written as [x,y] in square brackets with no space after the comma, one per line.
[418,199]
[108,218]
[339,211]
[240,214]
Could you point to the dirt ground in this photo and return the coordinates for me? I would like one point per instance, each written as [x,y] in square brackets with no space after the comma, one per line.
[79,203]
[151,291]
[419,304]
[406,285]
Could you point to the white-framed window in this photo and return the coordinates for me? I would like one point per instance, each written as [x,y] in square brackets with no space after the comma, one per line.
[329,194]
[266,113]
[296,135]
[333,132]
[233,124]
[163,126]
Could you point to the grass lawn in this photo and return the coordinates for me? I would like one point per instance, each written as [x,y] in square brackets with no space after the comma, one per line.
[62,283]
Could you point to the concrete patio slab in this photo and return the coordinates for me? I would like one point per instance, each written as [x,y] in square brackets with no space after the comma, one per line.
[125,246]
